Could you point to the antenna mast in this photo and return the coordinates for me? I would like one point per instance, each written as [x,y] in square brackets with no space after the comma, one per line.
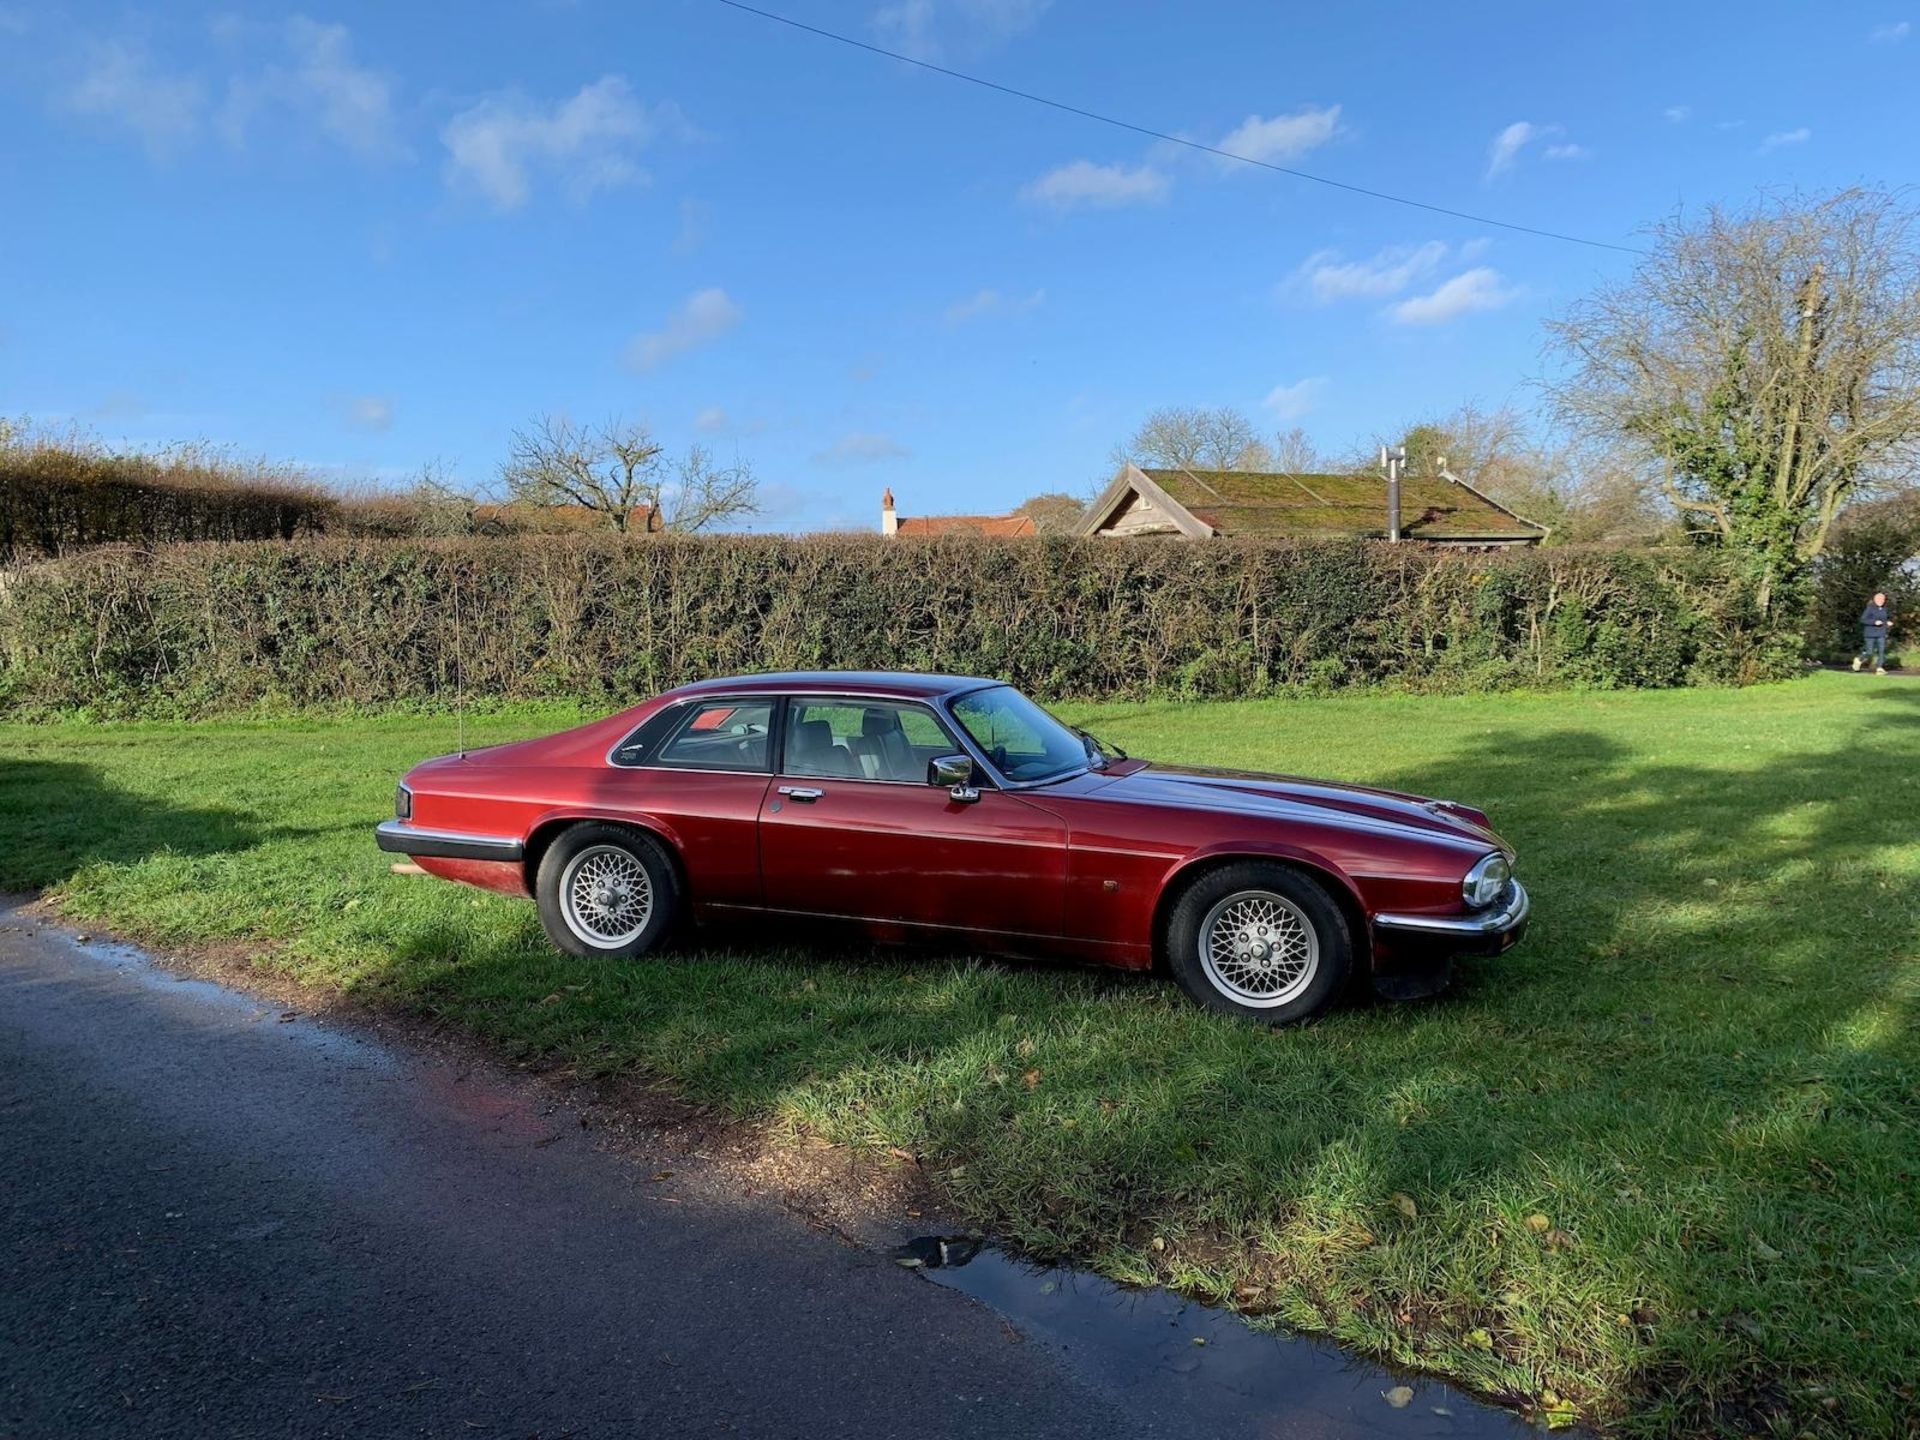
[459,671]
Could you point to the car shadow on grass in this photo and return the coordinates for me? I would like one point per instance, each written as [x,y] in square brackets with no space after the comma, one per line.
[62,817]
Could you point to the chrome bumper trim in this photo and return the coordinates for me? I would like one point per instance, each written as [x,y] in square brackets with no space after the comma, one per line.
[1478,925]
[400,838]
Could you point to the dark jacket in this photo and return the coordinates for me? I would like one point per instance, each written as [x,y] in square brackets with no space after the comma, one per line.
[1874,620]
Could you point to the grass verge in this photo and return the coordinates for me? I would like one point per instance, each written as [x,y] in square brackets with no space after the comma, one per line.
[1659,1167]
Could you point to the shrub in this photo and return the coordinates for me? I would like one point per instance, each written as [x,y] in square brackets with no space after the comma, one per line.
[204,628]
[61,495]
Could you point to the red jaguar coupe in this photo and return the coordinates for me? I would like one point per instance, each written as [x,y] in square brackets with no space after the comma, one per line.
[932,806]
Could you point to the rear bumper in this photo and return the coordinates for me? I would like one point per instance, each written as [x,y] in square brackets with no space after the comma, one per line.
[1486,932]
[399,838]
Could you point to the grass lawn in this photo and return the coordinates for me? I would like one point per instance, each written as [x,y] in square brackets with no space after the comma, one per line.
[1661,1165]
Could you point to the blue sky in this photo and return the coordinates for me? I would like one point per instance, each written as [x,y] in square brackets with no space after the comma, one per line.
[366,236]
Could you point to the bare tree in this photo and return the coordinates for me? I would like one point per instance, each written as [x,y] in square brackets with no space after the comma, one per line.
[1294,453]
[704,494]
[1766,363]
[1054,513]
[620,471]
[439,505]
[1186,437]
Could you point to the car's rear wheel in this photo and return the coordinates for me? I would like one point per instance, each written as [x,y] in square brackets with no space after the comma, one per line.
[606,890]
[1260,940]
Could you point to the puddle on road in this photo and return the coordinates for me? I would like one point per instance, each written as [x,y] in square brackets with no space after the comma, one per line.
[1241,1380]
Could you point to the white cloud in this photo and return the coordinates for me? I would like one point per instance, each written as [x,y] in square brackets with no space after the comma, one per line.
[588,142]
[703,318]
[1507,146]
[122,86]
[319,80]
[1782,138]
[862,447]
[1477,289]
[1891,34]
[1284,137]
[368,412]
[1103,187]
[711,421]
[928,29]
[1512,142]
[992,302]
[1325,277]
[1290,402]
[1678,114]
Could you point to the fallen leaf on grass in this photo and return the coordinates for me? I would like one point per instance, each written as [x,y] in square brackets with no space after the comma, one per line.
[1762,1250]
[1030,1078]
[1404,1204]
[1538,1223]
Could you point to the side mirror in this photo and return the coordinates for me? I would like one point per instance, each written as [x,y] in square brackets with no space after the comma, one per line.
[955,774]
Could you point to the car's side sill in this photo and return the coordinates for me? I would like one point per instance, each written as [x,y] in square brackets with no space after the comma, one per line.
[403,839]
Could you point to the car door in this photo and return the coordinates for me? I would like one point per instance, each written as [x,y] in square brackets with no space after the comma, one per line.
[702,770]
[851,827]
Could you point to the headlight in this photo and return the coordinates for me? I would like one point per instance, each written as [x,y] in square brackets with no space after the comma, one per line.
[1487,881]
[402,803]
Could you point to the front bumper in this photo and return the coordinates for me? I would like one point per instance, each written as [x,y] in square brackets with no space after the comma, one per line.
[400,838]
[1483,932]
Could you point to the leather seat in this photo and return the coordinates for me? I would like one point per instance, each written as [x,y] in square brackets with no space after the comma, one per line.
[814,751]
[885,753]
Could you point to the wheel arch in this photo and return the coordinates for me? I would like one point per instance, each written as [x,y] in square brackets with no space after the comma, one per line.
[550,827]
[1195,867]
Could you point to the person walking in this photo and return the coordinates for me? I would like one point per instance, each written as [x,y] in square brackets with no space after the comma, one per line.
[1875,623]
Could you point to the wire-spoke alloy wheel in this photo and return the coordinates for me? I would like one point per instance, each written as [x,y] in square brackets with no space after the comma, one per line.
[606,890]
[606,896]
[1259,949]
[1259,939]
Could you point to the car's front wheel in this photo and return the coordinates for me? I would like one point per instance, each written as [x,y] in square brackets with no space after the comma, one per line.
[1259,940]
[606,890]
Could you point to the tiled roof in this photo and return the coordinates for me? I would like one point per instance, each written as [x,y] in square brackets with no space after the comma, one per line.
[1243,502]
[995,525]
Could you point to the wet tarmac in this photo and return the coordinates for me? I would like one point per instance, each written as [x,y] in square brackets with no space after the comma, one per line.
[222,1218]
[1239,1379]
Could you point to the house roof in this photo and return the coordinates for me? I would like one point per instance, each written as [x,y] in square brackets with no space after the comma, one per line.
[995,525]
[1243,502]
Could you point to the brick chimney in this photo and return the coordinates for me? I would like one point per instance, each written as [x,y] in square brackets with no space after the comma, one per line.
[889,522]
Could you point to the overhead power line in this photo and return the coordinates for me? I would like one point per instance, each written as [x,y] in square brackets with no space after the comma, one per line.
[1182,140]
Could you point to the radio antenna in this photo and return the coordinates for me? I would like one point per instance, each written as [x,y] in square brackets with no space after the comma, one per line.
[459,670]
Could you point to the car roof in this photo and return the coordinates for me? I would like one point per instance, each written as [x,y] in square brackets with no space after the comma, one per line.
[902,684]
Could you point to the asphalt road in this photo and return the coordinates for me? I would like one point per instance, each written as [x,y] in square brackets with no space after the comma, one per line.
[217,1224]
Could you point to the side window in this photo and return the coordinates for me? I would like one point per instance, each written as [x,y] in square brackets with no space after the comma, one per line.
[720,735]
[856,740]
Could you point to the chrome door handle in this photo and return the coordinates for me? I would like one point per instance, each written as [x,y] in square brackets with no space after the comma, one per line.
[801,792]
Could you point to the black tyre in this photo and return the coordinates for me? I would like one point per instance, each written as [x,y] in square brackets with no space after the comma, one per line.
[1260,940]
[606,890]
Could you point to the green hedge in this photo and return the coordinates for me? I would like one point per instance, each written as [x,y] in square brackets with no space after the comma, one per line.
[195,629]
[56,498]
